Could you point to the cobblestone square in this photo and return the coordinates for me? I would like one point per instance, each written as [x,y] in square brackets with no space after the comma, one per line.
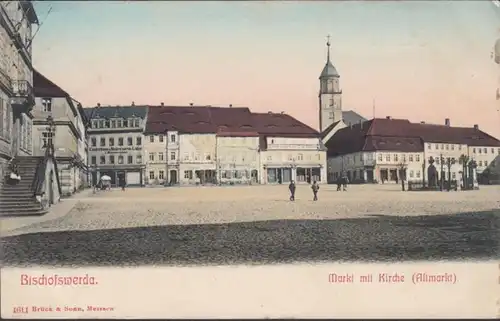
[258,224]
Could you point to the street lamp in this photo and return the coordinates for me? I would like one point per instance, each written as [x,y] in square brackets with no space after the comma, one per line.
[51,129]
[449,162]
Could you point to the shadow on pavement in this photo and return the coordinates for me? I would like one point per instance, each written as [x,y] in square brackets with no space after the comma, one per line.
[383,238]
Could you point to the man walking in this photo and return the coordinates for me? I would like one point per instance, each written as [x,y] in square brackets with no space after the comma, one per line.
[291,187]
[315,189]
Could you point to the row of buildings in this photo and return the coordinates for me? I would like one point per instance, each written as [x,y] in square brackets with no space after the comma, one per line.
[157,145]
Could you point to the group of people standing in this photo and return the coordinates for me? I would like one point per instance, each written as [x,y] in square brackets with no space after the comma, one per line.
[341,184]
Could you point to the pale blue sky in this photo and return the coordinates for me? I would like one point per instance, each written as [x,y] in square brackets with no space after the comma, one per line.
[419,60]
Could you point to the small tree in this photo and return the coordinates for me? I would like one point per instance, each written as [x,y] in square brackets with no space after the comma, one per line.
[402,166]
[464,160]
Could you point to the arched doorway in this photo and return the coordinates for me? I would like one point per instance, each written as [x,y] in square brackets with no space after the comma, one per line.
[173,177]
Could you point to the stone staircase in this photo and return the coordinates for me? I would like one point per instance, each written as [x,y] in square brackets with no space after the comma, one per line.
[19,199]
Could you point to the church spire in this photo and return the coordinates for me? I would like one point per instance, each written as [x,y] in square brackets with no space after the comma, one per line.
[328,45]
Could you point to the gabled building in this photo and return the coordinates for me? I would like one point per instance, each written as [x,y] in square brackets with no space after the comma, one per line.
[116,144]
[69,135]
[379,149]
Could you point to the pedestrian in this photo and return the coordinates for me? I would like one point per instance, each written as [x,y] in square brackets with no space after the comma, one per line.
[345,180]
[339,183]
[291,187]
[315,189]
[122,183]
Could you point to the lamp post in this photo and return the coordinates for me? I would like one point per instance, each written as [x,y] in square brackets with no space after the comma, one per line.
[51,129]
[441,181]
[449,162]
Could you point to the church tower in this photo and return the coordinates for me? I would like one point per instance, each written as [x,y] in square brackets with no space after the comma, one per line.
[330,94]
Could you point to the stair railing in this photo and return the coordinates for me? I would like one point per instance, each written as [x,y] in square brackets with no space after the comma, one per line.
[39,180]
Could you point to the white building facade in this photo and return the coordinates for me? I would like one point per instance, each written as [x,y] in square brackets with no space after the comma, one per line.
[197,162]
[284,159]
[238,159]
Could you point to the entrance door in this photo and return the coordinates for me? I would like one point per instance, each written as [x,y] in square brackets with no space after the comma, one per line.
[173,177]
[51,187]
[280,177]
[121,179]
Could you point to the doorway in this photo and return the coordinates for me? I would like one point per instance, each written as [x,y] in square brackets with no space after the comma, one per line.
[121,179]
[51,187]
[173,177]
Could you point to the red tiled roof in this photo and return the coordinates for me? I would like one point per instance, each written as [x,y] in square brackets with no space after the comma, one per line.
[43,87]
[402,135]
[224,121]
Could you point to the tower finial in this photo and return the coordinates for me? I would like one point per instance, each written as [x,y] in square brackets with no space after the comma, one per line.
[328,45]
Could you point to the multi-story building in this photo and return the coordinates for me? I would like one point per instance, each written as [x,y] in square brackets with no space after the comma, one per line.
[289,150]
[231,145]
[68,136]
[382,150]
[16,79]
[116,144]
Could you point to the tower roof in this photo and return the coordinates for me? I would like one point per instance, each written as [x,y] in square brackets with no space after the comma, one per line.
[329,70]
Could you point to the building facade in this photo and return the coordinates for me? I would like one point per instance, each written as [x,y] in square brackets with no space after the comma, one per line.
[217,145]
[116,146]
[388,150]
[68,136]
[16,79]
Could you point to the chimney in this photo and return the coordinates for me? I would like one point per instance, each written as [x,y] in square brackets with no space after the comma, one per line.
[269,112]
[360,124]
[98,104]
[476,126]
[190,104]
[282,112]
[422,122]
[133,103]
[388,117]
[447,122]
[162,103]
[230,105]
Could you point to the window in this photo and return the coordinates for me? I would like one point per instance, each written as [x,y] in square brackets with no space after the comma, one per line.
[151,156]
[136,122]
[485,163]
[395,157]
[130,159]
[436,146]
[93,160]
[172,155]
[47,139]
[160,138]
[380,157]
[93,142]
[452,146]
[493,151]
[300,157]
[186,156]
[125,123]
[197,156]
[94,124]
[172,138]
[111,142]
[188,174]
[120,159]
[453,175]
[429,146]
[269,158]
[151,138]
[403,157]
[47,105]
[102,160]
[459,147]
[160,156]
[442,146]
[417,158]
[111,159]
[410,158]
[103,141]
[474,150]
[120,141]
[113,123]
[388,157]
[207,157]
[139,159]
[151,175]
[129,141]
[418,174]
[138,141]
[447,146]
[411,174]
[485,150]
[480,163]
[479,150]
[161,174]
